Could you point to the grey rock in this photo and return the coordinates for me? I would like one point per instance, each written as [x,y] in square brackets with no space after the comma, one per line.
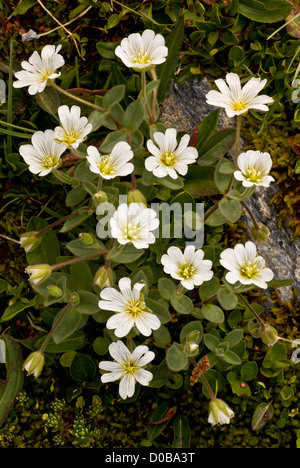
[184,109]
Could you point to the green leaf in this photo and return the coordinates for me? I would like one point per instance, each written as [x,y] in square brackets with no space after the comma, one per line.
[182,432]
[166,288]
[81,276]
[166,70]
[207,128]
[159,309]
[154,431]
[190,327]
[181,303]
[264,11]
[262,414]
[114,96]
[211,341]
[162,337]
[175,358]
[75,341]
[14,309]
[126,254]
[70,323]
[216,147]
[3,285]
[230,209]
[101,345]
[209,288]
[48,249]
[75,196]
[233,337]
[227,299]
[15,376]
[134,115]
[71,223]
[88,303]
[82,368]
[249,370]
[48,100]
[231,358]
[213,313]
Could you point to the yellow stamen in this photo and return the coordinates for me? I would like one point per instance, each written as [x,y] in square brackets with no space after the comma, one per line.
[105,166]
[168,159]
[50,162]
[249,270]
[186,271]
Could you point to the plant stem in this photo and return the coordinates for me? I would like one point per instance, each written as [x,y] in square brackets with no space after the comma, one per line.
[211,211]
[133,181]
[80,259]
[236,149]
[251,310]
[250,214]
[87,103]
[61,220]
[144,95]
[154,76]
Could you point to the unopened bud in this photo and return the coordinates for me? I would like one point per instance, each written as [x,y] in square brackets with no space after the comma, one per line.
[104,277]
[219,412]
[135,196]
[100,197]
[190,349]
[75,299]
[54,291]
[38,273]
[87,238]
[34,363]
[29,241]
[260,233]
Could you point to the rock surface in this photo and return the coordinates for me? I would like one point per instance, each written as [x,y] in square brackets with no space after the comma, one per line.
[184,109]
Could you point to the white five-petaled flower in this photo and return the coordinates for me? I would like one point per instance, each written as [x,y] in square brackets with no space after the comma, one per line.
[141,52]
[245,266]
[73,129]
[111,165]
[127,367]
[39,69]
[237,100]
[187,267]
[44,154]
[133,224]
[254,169]
[219,412]
[130,309]
[169,158]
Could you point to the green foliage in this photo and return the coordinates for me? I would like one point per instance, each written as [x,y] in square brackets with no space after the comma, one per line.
[210,322]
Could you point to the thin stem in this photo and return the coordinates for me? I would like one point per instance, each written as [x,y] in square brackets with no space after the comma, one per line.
[211,211]
[133,181]
[154,76]
[80,259]
[252,311]
[211,393]
[61,220]
[61,316]
[10,239]
[144,95]
[69,22]
[236,149]
[87,103]
[250,214]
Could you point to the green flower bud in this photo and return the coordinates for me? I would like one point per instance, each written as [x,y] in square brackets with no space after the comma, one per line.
[260,234]
[135,196]
[75,299]
[54,291]
[29,241]
[87,238]
[38,273]
[104,277]
[190,349]
[100,197]
[34,364]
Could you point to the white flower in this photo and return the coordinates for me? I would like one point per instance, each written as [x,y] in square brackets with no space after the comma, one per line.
[130,309]
[219,412]
[39,69]
[187,267]
[133,224]
[254,169]
[245,266]
[140,52]
[128,367]
[237,100]
[168,158]
[112,165]
[44,154]
[73,129]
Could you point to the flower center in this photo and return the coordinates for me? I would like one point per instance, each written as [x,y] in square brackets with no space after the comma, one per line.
[249,270]
[168,159]
[135,308]
[130,367]
[44,75]
[142,58]
[239,105]
[253,175]
[105,166]
[186,271]
[49,162]
[131,231]
[71,137]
